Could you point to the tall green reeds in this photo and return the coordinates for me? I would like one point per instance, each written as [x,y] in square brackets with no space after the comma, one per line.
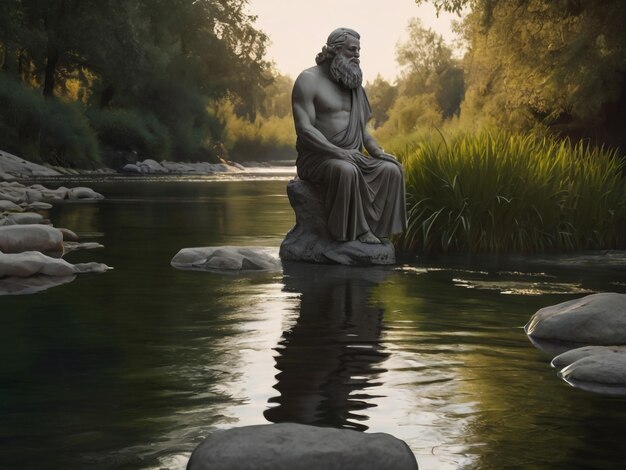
[501,192]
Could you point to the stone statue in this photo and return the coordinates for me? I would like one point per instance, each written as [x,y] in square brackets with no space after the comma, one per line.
[363,196]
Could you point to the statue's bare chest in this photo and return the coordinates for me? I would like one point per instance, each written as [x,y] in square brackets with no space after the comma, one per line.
[331,98]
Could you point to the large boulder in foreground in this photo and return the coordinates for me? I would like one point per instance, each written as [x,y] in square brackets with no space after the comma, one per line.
[289,446]
[600,369]
[227,258]
[309,240]
[597,319]
[19,238]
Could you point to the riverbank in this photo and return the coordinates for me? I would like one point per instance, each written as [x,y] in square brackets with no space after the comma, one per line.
[13,167]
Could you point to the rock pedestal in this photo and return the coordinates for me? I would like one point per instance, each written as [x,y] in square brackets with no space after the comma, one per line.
[289,446]
[309,240]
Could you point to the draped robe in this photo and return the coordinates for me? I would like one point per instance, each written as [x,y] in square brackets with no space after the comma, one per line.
[361,194]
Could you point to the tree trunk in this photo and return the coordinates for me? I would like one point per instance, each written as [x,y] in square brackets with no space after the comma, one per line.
[52,60]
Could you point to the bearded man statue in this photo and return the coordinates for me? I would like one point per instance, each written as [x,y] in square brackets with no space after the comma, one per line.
[363,195]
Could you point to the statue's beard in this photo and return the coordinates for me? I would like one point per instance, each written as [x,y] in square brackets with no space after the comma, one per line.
[346,71]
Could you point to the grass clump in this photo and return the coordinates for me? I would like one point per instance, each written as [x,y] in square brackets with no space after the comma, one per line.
[499,192]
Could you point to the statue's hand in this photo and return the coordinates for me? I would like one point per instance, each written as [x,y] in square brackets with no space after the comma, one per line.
[389,158]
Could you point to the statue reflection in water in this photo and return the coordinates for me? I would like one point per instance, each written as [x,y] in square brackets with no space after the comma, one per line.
[332,356]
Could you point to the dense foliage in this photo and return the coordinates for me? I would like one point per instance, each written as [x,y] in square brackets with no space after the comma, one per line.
[145,72]
[556,64]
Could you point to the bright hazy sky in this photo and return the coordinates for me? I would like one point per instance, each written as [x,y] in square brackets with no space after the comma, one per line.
[298,29]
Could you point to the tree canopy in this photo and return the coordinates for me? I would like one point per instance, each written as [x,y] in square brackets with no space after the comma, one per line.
[164,61]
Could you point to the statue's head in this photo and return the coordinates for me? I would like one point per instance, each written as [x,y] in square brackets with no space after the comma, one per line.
[342,50]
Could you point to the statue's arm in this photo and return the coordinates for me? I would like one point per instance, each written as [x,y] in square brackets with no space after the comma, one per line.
[371,145]
[303,105]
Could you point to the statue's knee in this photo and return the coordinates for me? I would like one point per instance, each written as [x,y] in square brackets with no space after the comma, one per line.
[348,172]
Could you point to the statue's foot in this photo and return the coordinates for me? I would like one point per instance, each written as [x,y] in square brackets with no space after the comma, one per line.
[369,237]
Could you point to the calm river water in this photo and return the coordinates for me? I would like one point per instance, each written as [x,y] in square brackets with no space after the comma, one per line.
[132,368]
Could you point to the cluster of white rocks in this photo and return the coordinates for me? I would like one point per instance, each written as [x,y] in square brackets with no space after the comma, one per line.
[592,330]
[15,196]
[152,167]
[31,248]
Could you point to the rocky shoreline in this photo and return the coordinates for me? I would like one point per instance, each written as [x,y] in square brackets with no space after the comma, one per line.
[31,249]
[15,168]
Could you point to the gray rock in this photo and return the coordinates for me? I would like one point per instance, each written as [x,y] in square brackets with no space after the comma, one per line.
[569,357]
[70,246]
[37,206]
[596,369]
[30,263]
[83,194]
[68,235]
[309,240]
[21,218]
[227,258]
[289,446]
[131,168]
[19,238]
[176,167]
[6,176]
[16,166]
[10,206]
[151,166]
[597,319]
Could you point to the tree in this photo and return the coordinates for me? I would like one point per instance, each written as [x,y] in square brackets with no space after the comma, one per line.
[430,68]
[381,95]
[561,63]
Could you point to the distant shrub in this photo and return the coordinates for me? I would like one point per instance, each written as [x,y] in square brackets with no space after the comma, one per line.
[124,131]
[502,192]
[46,131]
[266,138]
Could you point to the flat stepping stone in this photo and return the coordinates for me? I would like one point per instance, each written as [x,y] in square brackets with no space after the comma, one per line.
[289,446]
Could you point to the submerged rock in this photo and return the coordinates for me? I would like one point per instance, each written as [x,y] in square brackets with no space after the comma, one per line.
[227,258]
[289,446]
[597,319]
[569,357]
[31,285]
[309,240]
[600,369]
[30,263]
